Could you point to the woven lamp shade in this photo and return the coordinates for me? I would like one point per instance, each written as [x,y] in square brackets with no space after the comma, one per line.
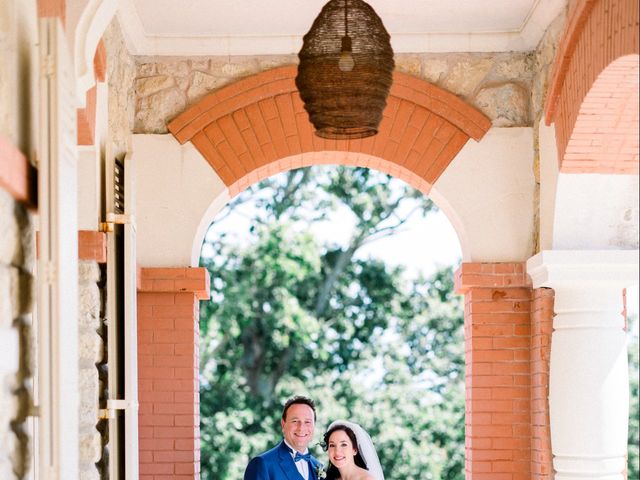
[345,70]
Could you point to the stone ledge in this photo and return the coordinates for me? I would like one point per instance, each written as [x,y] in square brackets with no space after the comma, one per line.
[491,275]
[175,280]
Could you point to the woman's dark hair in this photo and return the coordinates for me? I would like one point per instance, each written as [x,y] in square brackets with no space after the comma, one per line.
[332,471]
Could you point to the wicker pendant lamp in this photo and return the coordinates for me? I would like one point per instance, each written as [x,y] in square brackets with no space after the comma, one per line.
[345,70]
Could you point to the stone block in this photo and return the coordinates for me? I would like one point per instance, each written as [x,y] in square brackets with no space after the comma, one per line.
[201,65]
[90,349]
[156,110]
[150,85]
[507,105]
[88,272]
[22,292]
[6,297]
[202,84]
[273,61]
[146,69]
[233,67]
[173,69]
[466,75]
[434,70]
[411,65]
[9,241]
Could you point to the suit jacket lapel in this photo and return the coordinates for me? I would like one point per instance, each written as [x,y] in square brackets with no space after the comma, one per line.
[287,464]
[313,466]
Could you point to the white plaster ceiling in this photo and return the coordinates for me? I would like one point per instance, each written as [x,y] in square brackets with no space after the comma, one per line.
[262,27]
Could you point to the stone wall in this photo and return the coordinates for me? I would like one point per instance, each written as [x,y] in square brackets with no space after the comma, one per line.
[91,354]
[498,84]
[121,72]
[16,301]
[544,59]
[18,72]
[17,77]
[8,59]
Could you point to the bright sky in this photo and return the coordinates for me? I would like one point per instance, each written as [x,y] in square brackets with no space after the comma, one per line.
[423,245]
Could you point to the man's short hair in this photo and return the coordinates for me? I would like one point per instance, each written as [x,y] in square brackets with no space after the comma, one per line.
[299,400]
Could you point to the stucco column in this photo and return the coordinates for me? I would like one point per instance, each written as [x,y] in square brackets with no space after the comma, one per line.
[588,379]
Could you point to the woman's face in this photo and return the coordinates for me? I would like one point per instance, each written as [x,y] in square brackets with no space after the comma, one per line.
[341,450]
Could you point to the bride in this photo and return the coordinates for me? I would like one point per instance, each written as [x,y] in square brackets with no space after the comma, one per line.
[352,455]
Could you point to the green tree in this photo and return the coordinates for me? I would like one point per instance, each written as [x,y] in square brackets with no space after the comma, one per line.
[291,315]
[633,464]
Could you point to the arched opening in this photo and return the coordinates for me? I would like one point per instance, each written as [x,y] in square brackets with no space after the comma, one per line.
[302,307]
[255,128]
[604,138]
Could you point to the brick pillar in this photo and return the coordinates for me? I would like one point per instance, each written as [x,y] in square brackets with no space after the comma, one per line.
[541,329]
[168,334]
[497,351]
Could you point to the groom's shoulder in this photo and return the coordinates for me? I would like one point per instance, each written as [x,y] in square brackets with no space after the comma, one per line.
[271,453]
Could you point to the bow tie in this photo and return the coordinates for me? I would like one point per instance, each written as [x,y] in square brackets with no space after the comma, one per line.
[299,456]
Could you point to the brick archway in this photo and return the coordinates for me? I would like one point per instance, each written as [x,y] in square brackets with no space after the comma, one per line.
[593,96]
[242,130]
[258,127]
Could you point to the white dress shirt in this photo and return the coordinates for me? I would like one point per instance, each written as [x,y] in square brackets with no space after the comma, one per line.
[302,466]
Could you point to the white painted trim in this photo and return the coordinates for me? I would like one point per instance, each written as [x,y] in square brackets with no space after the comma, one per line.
[490,187]
[596,212]
[589,375]
[454,218]
[176,189]
[57,275]
[567,268]
[525,39]
[131,456]
[216,206]
[93,22]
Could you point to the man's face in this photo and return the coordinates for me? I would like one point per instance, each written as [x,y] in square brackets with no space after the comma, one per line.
[298,427]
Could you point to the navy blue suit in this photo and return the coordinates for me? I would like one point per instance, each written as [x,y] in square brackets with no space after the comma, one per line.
[277,464]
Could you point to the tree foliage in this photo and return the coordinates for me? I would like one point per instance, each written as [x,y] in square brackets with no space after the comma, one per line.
[633,463]
[291,314]
[295,314]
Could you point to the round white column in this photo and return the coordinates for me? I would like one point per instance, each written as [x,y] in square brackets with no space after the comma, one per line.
[589,377]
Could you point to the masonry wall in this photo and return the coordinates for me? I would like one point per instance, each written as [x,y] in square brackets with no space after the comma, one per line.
[120,75]
[541,330]
[92,357]
[498,371]
[598,34]
[16,302]
[499,85]
[17,247]
[169,396]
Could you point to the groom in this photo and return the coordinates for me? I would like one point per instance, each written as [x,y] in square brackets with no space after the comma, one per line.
[290,459]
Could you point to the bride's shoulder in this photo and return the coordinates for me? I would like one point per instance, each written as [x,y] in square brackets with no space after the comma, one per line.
[366,476]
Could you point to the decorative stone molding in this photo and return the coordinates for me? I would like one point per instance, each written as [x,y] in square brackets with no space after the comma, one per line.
[244,127]
[499,84]
[92,23]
